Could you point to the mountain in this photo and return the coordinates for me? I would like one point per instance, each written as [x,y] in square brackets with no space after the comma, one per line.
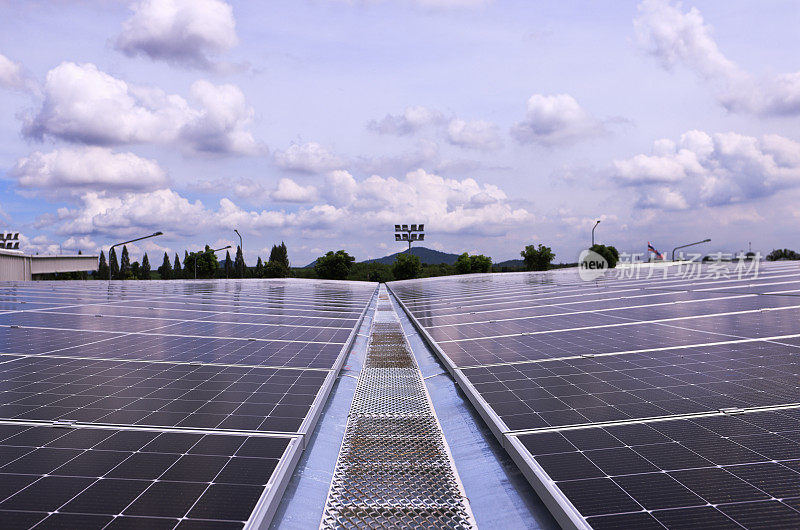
[426,255]
[511,263]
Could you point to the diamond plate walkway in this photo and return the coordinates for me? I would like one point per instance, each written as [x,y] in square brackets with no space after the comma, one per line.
[394,468]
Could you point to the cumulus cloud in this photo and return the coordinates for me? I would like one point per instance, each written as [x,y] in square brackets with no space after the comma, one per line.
[479,134]
[429,4]
[183,32]
[11,74]
[72,170]
[340,187]
[677,37]
[553,120]
[85,105]
[444,203]
[410,121]
[711,170]
[310,157]
[449,205]
[290,191]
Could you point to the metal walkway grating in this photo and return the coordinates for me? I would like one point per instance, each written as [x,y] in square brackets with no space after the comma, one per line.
[394,468]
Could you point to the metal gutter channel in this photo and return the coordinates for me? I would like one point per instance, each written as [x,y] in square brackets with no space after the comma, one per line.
[564,512]
[394,467]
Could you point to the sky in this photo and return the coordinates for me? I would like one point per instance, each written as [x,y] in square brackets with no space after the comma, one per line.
[322,123]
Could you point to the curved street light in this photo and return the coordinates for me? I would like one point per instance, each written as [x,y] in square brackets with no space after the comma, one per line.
[689,245]
[595,226]
[241,245]
[125,243]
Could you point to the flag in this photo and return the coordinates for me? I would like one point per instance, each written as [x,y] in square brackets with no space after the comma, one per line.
[652,249]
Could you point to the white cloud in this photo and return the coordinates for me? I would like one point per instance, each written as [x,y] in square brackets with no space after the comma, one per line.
[428,4]
[711,169]
[674,36]
[478,134]
[340,187]
[310,157]
[184,32]
[72,170]
[11,74]
[410,121]
[161,209]
[290,191]
[452,4]
[552,120]
[85,105]
[447,205]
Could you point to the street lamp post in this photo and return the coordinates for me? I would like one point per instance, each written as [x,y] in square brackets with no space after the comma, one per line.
[241,245]
[689,245]
[595,226]
[409,233]
[209,250]
[125,243]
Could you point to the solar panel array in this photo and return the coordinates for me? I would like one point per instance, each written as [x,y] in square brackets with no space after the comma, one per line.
[163,404]
[668,397]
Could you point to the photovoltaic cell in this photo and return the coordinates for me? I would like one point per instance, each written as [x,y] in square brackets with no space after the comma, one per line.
[610,391]
[168,410]
[91,477]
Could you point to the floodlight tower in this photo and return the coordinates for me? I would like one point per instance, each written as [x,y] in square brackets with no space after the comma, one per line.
[9,240]
[409,233]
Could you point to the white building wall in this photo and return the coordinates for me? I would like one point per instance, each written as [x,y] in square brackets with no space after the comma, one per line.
[15,266]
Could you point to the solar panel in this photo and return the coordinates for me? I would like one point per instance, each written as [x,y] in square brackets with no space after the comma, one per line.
[163,404]
[633,402]
[84,477]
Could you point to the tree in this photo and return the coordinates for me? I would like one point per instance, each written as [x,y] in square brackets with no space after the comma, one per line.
[480,263]
[165,270]
[334,265]
[537,258]
[239,265]
[206,262]
[609,253]
[176,268]
[280,254]
[125,264]
[466,264]
[102,267]
[406,266]
[228,264]
[273,269]
[775,255]
[134,271]
[259,268]
[113,265]
[144,271]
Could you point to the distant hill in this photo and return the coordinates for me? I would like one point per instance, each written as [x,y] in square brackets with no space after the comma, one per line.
[510,263]
[426,255]
[431,257]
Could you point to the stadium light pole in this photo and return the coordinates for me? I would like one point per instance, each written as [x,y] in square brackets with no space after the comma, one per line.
[409,233]
[595,226]
[125,243]
[212,250]
[689,245]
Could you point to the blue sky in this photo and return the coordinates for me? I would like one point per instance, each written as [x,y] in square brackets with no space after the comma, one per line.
[323,122]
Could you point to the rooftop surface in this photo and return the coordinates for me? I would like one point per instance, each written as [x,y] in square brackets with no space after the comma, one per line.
[649,398]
